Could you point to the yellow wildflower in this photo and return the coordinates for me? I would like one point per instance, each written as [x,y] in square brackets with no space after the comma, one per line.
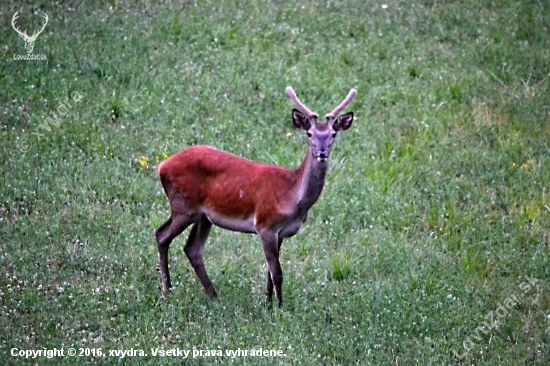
[144,162]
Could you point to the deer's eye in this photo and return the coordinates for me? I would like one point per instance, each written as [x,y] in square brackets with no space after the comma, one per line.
[308,134]
[334,135]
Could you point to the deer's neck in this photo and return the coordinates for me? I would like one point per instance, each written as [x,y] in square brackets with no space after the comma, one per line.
[311,180]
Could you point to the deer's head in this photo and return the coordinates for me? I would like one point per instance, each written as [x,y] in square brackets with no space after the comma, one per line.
[321,135]
[29,41]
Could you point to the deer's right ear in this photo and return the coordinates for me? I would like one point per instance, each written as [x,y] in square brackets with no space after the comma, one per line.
[300,120]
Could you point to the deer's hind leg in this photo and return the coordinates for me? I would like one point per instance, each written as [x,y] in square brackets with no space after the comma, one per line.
[194,248]
[179,220]
[174,226]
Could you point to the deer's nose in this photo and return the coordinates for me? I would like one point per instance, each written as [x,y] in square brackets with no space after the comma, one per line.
[322,155]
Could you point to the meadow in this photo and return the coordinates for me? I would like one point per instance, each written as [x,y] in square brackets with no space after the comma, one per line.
[429,245]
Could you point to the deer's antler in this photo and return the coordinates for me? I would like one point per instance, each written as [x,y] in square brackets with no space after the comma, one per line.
[35,34]
[24,34]
[342,105]
[21,34]
[299,104]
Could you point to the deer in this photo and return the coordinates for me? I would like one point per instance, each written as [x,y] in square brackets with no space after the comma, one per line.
[206,187]
[29,41]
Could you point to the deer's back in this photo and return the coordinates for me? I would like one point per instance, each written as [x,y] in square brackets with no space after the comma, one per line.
[225,185]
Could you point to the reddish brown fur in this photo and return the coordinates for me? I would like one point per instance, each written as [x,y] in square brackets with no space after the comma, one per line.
[228,184]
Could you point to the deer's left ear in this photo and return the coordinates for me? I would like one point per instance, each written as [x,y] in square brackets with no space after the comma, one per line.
[343,122]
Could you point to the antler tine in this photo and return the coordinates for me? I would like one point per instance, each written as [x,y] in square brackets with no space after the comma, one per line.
[44,26]
[342,105]
[36,33]
[13,19]
[299,104]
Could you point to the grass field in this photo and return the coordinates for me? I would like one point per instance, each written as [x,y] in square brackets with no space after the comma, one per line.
[434,218]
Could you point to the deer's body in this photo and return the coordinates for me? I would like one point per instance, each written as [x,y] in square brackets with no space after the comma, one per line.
[270,197]
[206,186]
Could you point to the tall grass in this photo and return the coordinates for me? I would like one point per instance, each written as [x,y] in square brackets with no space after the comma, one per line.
[435,209]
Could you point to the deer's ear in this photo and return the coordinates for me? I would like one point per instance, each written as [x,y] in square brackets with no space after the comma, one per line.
[300,120]
[343,122]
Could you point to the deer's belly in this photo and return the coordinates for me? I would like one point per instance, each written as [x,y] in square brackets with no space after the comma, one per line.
[247,225]
[230,223]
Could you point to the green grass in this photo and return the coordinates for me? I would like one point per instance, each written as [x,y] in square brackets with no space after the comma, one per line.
[435,208]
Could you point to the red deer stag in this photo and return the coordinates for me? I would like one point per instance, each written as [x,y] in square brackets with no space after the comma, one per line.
[206,186]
